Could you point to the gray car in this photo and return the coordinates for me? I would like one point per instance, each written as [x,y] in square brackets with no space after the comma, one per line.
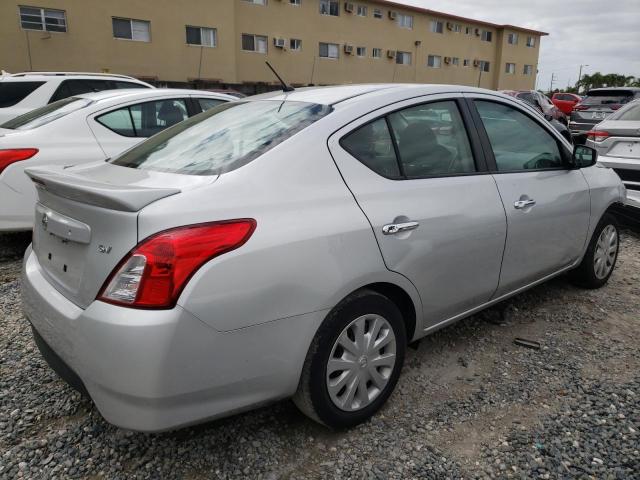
[617,141]
[293,244]
[597,105]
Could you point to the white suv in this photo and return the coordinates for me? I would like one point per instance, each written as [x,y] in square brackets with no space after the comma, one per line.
[23,92]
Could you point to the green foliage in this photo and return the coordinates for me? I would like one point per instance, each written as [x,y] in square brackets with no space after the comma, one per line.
[598,80]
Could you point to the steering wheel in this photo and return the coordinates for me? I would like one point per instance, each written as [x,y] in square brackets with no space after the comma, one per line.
[543,160]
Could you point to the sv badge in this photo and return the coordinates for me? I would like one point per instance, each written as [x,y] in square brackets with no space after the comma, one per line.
[103,249]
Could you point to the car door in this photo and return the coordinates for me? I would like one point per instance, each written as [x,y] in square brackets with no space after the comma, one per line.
[120,128]
[547,203]
[418,175]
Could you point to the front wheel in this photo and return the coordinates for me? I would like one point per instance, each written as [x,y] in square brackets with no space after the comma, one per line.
[601,256]
[354,361]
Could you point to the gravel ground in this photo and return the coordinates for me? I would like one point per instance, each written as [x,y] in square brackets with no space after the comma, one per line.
[470,403]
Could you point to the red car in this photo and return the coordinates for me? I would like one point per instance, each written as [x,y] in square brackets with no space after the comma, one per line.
[566,101]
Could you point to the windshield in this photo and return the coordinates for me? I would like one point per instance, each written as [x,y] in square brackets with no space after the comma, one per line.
[630,113]
[49,113]
[223,138]
[607,97]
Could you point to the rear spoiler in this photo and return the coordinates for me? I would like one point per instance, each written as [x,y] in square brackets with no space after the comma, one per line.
[125,198]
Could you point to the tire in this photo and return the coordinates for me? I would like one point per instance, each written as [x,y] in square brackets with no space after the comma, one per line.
[602,253]
[367,310]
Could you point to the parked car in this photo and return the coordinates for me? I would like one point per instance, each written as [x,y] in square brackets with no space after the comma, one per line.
[82,129]
[598,104]
[531,98]
[565,101]
[617,141]
[294,243]
[23,92]
[541,103]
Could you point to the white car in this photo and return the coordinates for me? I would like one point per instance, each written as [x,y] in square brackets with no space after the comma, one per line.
[23,92]
[84,128]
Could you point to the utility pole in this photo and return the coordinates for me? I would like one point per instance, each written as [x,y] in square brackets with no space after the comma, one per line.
[553,79]
[580,76]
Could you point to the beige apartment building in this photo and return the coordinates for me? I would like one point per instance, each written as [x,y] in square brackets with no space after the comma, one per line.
[220,43]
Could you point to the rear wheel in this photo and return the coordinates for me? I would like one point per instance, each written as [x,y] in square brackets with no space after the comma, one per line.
[601,256]
[354,361]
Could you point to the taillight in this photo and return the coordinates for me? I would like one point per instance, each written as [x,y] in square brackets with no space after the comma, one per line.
[156,271]
[13,155]
[614,106]
[597,135]
[578,107]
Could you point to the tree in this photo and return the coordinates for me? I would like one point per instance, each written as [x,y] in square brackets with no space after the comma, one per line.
[598,80]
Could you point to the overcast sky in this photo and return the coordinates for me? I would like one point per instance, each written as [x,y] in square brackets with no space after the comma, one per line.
[602,34]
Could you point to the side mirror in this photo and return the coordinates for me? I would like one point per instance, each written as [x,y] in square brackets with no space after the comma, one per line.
[584,156]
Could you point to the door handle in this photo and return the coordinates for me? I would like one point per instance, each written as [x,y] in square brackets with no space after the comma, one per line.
[394,228]
[520,204]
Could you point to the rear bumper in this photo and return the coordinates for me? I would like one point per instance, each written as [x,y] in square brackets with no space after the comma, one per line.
[153,370]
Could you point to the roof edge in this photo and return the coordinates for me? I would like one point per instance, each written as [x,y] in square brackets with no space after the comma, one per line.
[457,17]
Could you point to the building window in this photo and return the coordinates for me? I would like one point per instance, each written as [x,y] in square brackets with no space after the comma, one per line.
[405,21]
[295,44]
[330,7]
[531,41]
[434,61]
[329,50]
[130,29]
[403,58]
[254,43]
[33,18]
[361,51]
[457,28]
[485,66]
[376,53]
[528,70]
[361,11]
[486,35]
[455,61]
[512,39]
[467,30]
[510,68]
[377,13]
[207,37]
[466,62]
[437,26]
[294,2]
[257,2]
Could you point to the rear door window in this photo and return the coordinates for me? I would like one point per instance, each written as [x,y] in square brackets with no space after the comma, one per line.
[518,142]
[13,92]
[145,119]
[432,140]
[223,138]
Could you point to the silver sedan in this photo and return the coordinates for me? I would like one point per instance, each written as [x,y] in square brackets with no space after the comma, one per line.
[293,244]
[617,141]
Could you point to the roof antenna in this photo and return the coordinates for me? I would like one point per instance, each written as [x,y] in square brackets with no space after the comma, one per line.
[285,87]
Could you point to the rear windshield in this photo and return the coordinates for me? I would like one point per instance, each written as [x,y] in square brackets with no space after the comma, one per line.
[49,113]
[223,138]
[14,92]
[629,113]
[608,97]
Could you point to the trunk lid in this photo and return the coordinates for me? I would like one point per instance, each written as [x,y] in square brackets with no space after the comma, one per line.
[87,220]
